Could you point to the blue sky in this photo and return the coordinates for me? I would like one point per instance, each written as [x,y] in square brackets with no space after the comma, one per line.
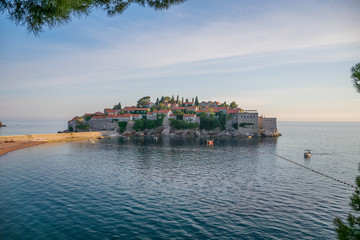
[287,59]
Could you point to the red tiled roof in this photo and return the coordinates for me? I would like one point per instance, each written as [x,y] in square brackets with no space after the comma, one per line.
[136,109]
[149,113]
[125,115]
[189,115]
[75,118]
[233,111]
[177,108]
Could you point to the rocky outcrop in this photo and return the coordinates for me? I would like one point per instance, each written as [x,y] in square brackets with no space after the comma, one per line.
[2,125]
[269,133]
[167,131]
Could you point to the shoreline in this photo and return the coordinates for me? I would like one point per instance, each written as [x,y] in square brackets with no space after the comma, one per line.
[15,142]
[6,147]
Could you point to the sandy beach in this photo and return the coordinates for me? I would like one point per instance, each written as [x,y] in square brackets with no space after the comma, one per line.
[6,147]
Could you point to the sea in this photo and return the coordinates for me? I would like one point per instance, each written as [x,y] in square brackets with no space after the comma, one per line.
[180,188]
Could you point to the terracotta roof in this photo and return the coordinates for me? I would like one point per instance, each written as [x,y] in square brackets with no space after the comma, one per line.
[75,118]
[189,115]
[125,116]
[149,113]
[136,109]
[233,111]
[172,115]
[98,117]
[177,108]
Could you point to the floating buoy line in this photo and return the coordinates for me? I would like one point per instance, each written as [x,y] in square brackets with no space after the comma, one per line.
[317,172]
[210,149]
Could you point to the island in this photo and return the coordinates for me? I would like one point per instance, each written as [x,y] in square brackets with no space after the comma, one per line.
[175,117]
[2,125]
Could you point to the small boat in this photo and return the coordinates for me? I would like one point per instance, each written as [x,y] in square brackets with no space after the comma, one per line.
[307,154]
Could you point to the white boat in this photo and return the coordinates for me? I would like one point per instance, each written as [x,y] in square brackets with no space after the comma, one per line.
[307,154]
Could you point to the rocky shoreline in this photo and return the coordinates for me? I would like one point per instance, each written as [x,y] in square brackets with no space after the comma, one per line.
[161,131]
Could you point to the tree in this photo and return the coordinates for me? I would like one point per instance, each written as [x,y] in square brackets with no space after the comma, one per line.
[172,100]
[351,230]
[233,105]
[196,101]
[224,104]
[117,106]
[157,101]
[355,75]
[35,14]
[177,99]
[142,101]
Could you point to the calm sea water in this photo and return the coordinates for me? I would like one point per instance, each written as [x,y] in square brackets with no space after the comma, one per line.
[32,127]
[178,188]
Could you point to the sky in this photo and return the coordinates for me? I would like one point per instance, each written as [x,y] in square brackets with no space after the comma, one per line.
[286,59]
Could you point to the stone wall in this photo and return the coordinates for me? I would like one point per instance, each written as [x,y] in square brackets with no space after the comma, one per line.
[268,123]
[248,117]
[103,125]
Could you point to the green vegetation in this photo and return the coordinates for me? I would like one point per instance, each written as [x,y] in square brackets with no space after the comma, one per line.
[245,124]
[355,75]
[117,106]
[142,101]
[351,230]
[233,105]
[122,126]
[235,125]
[81,125]
[87,118]
[37,14]
[71,129]
[142,124]
[179,114]
[196,101]
[181,124]
[210,122]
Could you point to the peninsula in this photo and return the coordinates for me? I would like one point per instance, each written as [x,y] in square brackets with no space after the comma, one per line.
[170,116]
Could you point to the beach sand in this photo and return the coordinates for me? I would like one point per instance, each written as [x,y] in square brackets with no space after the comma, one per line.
[6,147]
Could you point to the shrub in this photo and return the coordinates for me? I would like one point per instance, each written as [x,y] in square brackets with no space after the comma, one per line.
[181,124]
[144,123]
[122,126]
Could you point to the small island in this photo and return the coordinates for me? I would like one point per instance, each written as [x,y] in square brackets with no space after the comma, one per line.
[175,117]
[2,125]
